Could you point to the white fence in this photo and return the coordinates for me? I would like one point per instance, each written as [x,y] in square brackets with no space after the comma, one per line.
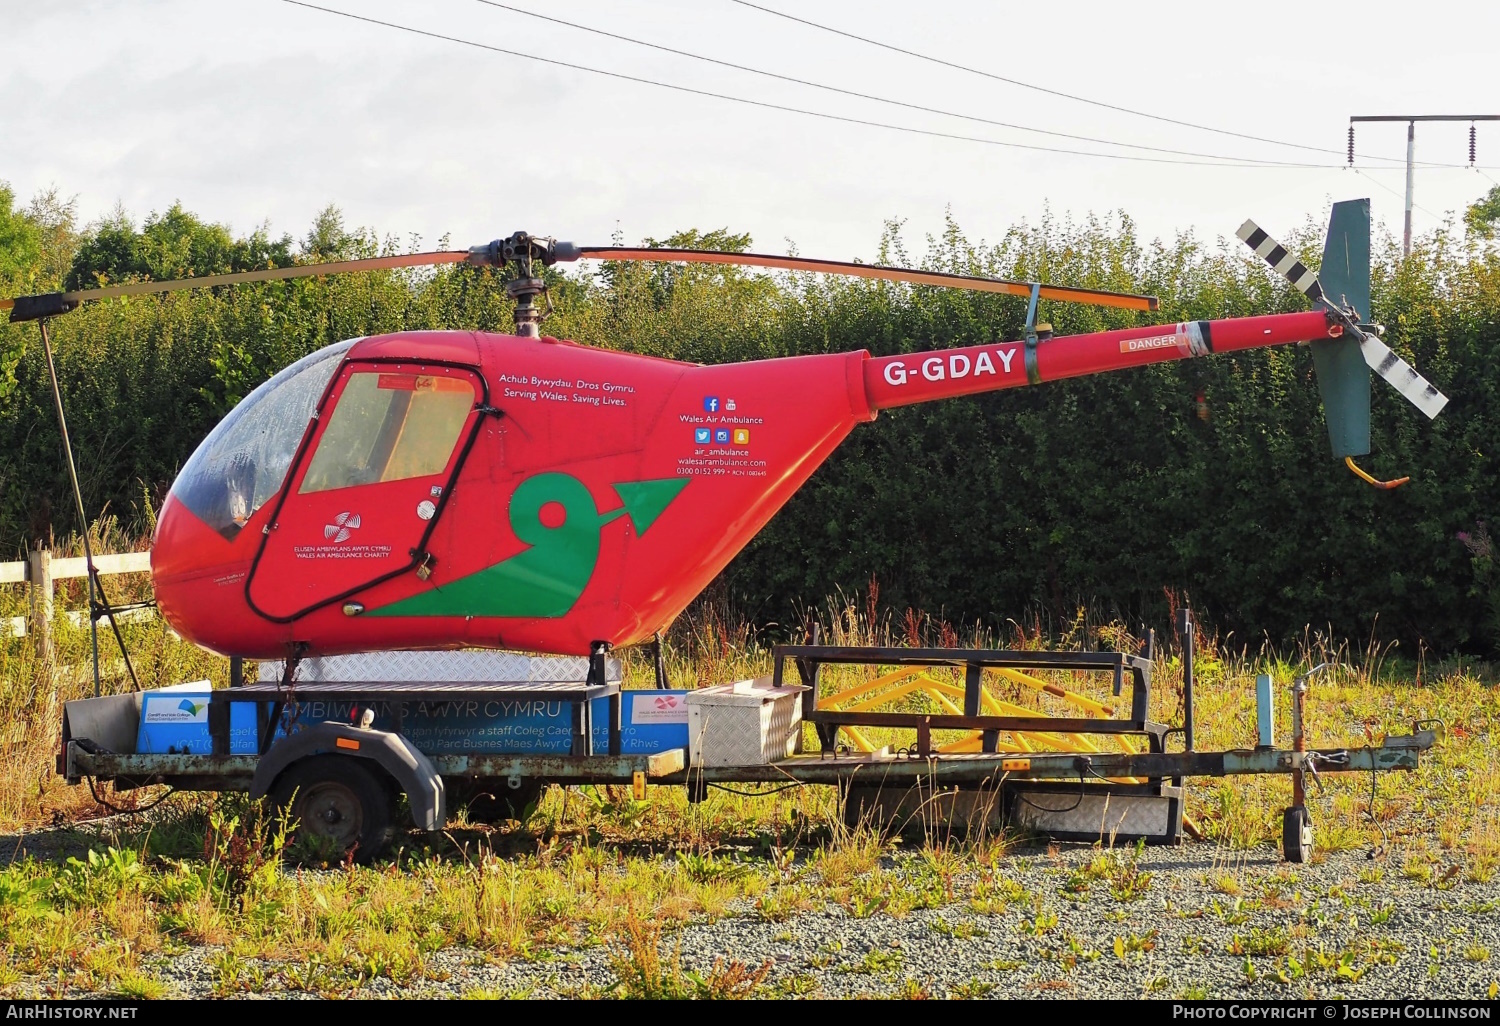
[40,572]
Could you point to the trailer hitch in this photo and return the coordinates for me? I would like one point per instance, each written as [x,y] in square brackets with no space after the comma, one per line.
[1424,734]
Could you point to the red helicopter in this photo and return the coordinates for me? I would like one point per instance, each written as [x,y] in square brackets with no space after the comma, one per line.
[444,489]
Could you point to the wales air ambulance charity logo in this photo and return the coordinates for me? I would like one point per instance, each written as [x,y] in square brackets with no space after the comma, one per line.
[658,709]
[336,535]
[343,527]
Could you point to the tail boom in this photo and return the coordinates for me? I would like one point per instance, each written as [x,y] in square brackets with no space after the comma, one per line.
[892,381]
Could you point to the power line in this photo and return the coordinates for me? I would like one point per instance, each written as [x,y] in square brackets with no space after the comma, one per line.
[1411,152]
[1042,89]
[1362,172]
[868,96]
[790,110]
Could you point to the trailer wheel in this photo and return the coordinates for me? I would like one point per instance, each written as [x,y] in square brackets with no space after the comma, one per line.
[493,801]
[1296,834]
[340,801]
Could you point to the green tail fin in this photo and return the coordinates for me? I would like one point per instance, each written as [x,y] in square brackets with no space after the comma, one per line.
[1343,375]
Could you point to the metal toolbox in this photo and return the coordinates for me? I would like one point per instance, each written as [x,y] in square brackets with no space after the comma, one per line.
[747,723]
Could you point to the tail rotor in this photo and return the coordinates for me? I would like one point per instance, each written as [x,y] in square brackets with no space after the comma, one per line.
[1342,288]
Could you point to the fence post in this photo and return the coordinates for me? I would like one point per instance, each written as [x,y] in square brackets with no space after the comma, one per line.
[41,601]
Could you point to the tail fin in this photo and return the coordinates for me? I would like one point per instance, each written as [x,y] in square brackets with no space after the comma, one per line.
[1343,374]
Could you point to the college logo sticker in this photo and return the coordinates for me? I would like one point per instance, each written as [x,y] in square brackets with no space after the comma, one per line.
[160,710]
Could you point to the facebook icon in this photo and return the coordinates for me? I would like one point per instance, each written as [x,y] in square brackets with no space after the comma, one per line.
[710,404]
[721,436]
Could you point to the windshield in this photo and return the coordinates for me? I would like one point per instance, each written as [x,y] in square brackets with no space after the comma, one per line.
[244,460]
[389,427]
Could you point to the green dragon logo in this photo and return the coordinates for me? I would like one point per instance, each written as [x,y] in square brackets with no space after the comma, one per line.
[548,577]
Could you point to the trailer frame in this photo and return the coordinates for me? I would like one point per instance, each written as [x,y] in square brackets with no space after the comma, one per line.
[1066,795]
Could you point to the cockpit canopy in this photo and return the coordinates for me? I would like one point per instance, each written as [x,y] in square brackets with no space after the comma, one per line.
[390,423]
[244,461]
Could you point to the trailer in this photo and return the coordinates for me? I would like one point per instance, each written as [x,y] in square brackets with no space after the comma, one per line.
[336,741]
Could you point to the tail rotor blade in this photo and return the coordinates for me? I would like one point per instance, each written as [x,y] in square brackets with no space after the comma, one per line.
[1282,262]
[1399,374]
[1402,377]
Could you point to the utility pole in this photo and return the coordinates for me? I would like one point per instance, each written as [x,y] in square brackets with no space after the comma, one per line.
[1411,150]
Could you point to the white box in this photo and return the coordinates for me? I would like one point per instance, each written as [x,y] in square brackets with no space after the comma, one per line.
[747,723]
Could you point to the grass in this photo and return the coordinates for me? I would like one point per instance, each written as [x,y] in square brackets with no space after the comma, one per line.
[96,919]
[1260,943]
[33,690]
[597,868]
[1377,696]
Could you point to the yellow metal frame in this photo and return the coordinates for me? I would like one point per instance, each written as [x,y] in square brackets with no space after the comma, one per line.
[872,694]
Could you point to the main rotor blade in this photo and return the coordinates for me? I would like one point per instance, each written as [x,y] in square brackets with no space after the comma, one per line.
[1063,293]
[273,274]
[489,255]
[1402,376]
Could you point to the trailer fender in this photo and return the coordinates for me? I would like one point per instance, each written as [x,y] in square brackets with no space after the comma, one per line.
[412,770]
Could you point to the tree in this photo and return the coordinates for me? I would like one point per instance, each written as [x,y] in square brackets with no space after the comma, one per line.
[20,244]
[174,244]
[328,239]
[1483,217]
[20,261]
[56,221]
[662,279]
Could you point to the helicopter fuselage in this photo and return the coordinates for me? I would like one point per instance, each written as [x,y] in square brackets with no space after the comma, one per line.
[456,489]
[585,495]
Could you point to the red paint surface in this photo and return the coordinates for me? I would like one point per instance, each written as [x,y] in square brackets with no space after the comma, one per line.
[619,418]
[946,373]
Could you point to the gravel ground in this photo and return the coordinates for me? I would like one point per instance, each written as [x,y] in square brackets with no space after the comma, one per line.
[1370,932]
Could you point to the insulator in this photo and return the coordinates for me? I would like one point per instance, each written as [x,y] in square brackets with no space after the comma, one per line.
[1471,144]
[1351,145]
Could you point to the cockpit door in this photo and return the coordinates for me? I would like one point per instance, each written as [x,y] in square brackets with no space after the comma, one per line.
[368,486]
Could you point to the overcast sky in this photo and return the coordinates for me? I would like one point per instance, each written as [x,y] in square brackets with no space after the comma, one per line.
[256,110]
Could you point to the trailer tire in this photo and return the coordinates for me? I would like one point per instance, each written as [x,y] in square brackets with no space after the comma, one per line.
[492,801]
[339,800]
[1297,834]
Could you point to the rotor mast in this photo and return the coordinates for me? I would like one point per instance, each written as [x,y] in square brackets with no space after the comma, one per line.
[525,251]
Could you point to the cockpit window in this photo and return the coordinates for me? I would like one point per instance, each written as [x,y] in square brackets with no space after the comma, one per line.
[389,425]
[243,461]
